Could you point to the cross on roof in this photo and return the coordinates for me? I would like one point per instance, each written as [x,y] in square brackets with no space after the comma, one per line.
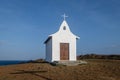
[64,16]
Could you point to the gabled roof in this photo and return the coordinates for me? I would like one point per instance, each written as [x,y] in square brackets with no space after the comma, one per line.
[64,26]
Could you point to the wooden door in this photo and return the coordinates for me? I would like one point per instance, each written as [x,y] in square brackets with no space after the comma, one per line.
[64,51]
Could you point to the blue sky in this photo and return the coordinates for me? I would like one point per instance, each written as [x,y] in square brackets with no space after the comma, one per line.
[25,25]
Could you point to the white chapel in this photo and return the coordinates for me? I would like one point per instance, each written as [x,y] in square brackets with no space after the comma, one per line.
[61,46]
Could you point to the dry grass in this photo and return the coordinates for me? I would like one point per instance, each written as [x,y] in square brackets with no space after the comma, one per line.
[94,70]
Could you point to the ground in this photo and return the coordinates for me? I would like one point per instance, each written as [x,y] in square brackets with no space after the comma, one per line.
[96,69]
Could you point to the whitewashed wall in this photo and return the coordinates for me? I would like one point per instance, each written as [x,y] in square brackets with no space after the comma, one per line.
[49,50]
[62,36]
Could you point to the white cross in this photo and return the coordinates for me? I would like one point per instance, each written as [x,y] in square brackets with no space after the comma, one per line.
[64,16]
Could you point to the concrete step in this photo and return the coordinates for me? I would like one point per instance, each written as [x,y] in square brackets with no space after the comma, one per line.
[69,63]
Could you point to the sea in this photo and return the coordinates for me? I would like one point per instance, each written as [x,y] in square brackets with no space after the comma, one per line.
[10,62]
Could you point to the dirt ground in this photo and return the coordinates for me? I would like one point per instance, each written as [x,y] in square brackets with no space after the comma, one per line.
[94,70]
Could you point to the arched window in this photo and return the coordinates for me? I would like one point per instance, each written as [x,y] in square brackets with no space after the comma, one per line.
[64,28]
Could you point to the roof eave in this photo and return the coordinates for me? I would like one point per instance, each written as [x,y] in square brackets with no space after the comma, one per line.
[47,39]
[77,37]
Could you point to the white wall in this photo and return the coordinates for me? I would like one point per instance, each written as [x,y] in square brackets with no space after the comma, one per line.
[64,37]
[49,50]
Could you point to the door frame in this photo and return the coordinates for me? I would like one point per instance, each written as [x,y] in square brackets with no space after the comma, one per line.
[67,51]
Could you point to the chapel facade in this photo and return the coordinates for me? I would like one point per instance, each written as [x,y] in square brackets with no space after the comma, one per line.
[61,46]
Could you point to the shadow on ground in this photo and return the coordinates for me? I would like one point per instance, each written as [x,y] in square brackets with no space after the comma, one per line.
[35,73]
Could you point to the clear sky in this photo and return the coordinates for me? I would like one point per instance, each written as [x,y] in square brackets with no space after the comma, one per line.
[25,25]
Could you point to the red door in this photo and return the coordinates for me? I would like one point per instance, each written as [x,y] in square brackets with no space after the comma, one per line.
[64,51]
